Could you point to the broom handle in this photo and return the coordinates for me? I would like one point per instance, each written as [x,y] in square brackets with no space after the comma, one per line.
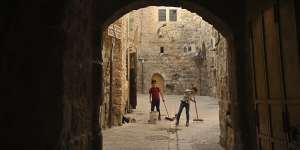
[196,110]
[166,108]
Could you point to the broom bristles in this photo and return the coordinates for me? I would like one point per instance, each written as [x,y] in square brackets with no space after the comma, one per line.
[197,119]
[168,118]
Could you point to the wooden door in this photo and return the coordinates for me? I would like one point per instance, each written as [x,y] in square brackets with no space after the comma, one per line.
[276,72]
[132,80]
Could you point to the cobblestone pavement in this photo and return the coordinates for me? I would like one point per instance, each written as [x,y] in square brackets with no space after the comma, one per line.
[164,135]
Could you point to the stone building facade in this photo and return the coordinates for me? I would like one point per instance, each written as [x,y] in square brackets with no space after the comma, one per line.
[178,48]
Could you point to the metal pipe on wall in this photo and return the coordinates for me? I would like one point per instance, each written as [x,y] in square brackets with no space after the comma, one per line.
[143,88]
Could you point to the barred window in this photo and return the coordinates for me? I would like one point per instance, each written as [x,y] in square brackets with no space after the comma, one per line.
[173,15]
[162,15]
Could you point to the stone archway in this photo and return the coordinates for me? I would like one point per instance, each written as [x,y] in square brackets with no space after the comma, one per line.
[71,76]
[55,90]
[160,81]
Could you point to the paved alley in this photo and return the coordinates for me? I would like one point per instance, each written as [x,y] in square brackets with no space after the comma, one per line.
[164,135]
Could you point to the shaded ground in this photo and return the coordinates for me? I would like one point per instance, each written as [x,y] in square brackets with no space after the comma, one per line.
[164,135]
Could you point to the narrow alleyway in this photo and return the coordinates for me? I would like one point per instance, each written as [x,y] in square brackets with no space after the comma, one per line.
[164,135]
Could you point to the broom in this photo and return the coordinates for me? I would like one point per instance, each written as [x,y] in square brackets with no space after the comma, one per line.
[167,118]
[197,119]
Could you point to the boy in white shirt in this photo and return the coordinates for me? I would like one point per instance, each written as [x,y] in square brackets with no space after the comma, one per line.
[185,103]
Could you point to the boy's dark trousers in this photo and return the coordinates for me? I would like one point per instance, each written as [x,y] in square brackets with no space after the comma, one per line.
[156,103]
[187,109]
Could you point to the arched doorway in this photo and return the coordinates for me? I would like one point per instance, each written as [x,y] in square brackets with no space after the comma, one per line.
[160,81]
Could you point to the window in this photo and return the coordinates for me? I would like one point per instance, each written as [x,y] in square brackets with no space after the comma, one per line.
[162,50]
[190,48]
[162,15]
[215,72]
[185,49]
[173,15]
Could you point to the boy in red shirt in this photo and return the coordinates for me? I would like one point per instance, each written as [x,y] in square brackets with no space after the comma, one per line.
[154,97]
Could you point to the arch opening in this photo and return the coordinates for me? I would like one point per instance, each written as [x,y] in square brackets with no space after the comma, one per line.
[137,73]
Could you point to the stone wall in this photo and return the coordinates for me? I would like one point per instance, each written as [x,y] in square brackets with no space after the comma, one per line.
[125,43]
[223,93]
[119,95]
